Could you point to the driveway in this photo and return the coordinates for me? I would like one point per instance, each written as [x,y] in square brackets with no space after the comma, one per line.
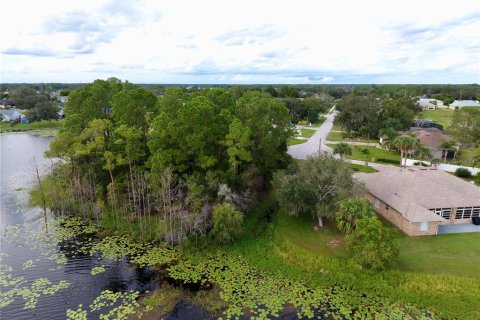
[310,148]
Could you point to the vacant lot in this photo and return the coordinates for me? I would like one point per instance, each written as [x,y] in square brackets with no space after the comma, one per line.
[441,116]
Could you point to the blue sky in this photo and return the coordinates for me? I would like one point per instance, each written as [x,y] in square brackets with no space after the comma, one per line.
[246,41]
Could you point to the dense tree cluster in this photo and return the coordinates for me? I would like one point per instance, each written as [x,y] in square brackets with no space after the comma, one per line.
[466,124]
[134,155]
[370,115]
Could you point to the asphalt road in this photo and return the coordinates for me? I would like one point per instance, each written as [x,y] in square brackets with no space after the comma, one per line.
[310,148]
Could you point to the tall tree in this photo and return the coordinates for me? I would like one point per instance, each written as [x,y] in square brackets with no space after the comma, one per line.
[405,144]
[315,186]
[238,144]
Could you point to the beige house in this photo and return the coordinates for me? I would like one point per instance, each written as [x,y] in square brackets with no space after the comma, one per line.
[418,200]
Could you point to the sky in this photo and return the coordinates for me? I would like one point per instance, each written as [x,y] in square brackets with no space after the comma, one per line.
[241,42]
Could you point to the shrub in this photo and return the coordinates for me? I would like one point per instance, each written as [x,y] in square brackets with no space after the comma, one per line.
[303,123]
[371,243]
[463,173]
[227,223]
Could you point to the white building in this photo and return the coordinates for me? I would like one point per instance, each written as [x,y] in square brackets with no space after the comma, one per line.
[427,103]
[464,103]
[8,115]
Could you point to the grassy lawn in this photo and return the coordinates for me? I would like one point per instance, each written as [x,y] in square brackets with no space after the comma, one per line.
[380,155]
[335,136]
[320,121]
[338,136]
[441,116]
[438,273]
[361,168]
[293,141]
[307,133]
[44,124]
[467,154]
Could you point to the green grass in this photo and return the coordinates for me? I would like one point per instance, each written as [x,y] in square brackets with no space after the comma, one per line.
[320,121]
[44,124]
[335,136]
[380,155]
[307,133]
[338,136]
[466,156]
[438,273]
[361,168]
[337,127]
[441,116]
[293,141]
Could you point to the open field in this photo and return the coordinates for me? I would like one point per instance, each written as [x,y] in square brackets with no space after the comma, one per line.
[293,141]
[441,116]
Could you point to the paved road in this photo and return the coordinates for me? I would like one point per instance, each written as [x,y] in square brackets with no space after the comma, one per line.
[310,148]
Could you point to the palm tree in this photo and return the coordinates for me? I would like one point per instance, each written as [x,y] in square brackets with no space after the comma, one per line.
[405,143]
[423,153]
[350,211]
[390,135]
[447,146]
[342,149]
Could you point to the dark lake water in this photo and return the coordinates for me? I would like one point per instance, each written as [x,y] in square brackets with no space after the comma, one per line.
[17,175]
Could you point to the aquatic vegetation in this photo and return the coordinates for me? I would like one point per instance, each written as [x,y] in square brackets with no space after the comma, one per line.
[97,270]
[78,314]
[39,287]
[28,264]
[127,302]
[155,255]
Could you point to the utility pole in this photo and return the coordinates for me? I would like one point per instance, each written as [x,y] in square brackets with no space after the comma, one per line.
[320,147]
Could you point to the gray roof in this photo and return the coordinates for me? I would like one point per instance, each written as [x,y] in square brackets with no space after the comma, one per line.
[413,191]
[8,112]
[465,103]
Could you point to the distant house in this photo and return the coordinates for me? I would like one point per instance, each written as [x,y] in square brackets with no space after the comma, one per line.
[9,115]
[429,104]
[418,200]
[464,103]
[432,138]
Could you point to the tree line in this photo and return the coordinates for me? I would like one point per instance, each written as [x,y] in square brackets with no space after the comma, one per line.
[188,163]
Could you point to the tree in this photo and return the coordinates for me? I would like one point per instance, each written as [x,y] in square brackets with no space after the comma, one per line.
[423,153]
[371,243]
[133,107]
[288,91]
[315,186]
[227,223]
[388,135]
[238,143]
[350,211]
[342,149]
[466,124]
[405,143]
[44,110]
[26,98]
[271,90]
[446,146]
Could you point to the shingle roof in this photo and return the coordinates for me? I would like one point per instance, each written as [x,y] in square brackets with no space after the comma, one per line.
[413,191]
[8,112]
[431,138]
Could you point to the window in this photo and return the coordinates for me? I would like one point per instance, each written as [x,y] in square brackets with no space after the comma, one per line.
[467,212]
[443,212]
[377,203]
[424,226]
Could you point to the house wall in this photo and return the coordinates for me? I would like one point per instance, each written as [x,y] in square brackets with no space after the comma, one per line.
[396,218]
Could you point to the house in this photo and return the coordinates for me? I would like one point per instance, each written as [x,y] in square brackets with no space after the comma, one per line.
[432,138]
[428,104]
[463,103]
[8,115]
[418,200]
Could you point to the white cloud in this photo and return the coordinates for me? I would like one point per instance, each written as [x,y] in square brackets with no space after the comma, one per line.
[243,42]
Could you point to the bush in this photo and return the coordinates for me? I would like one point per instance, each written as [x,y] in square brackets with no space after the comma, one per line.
[303,123]
[227,223]
[463,173]
[388,161]
[371,243]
